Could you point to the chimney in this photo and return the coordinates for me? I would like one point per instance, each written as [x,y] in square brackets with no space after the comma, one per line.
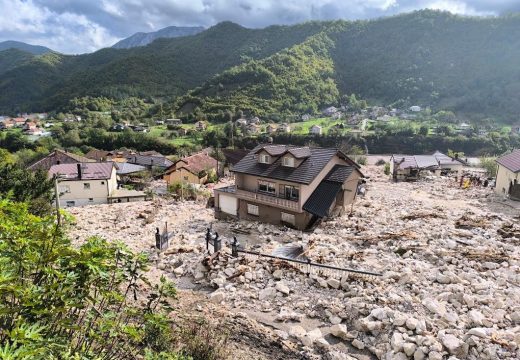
[79,170]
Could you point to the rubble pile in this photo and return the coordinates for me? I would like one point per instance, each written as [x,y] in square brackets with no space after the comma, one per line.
[449,264]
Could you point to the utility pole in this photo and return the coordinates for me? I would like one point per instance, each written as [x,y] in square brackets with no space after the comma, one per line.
[57,196]
[232,135]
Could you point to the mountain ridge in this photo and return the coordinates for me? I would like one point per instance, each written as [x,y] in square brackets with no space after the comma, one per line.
[33,49]
[427,58]
[145,38]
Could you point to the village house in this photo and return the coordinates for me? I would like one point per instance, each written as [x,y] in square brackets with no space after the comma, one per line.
[415,108]
[254,120]
[284,128]
[508,175]
[306,117]
[409,167]
[57,157]
[241,122]
[315,130]
[295,186]
[271,128]
[156,160]
[194,169]
[515,129]
[253,129]
[90,183]
[200,125]
[331,110]
[173,122]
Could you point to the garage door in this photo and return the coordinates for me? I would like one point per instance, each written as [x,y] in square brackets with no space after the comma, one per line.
[228,204]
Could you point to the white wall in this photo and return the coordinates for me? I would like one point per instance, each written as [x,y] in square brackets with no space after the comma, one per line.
[504,178]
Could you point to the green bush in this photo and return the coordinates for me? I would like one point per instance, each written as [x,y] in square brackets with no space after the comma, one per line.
[62,302]
[387,169]
[361,160]
[490,165]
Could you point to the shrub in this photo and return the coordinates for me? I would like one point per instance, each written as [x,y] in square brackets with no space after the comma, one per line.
[387,169]
[380,162]
[62,302]
[202,341]
[490,165]
[183,190]
[362,160]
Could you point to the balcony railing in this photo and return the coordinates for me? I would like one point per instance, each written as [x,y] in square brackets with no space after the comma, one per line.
[262,198]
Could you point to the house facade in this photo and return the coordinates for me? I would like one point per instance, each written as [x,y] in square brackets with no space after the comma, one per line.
[90,183]
[315,130]
[295,186]
[508,175]
[194,169]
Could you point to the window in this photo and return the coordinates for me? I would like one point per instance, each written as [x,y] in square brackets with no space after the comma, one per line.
[264,159]
[291,192]
[70,203]
[90,199]
[252,209]
[185,178]
[288,161]
[267,187]
[288,218]
[86,186]
[65,189]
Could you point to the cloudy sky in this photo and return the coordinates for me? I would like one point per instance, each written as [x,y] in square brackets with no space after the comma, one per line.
[78,26]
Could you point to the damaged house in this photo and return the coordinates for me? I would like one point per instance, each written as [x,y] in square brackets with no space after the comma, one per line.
[410,167]
[294,186]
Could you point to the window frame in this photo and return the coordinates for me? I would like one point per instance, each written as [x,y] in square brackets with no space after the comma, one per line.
[294,194]
[268,186]
[251,211]
[264,158]
[284,218]
[288,161]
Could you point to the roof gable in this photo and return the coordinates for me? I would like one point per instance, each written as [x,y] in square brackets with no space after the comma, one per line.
[305,173]
[511,161]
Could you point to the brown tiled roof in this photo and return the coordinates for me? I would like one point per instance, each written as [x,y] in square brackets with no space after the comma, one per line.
[89,171]
[58,157]
[511,161]
[195,163]
[309,168]
[97,155]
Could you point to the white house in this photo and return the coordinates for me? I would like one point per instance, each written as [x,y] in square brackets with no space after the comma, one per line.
[90,183]
[315,130]
[284,128]
[415,108]
[508,175]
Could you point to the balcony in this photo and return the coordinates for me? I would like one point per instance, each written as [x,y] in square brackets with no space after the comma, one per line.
[261,198]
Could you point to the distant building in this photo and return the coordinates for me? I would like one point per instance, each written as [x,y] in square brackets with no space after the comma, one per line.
[241,122]
[315,130]
[271,128]
[306,117]
[415,108]
[331,110]
[254,120]
[174,122]
[200,126]
[409,167]
[252,129]
[149,161]
[284,128]
[515,129]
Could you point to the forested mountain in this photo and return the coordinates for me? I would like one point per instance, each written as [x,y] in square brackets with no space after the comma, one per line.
[429,58]
[33,49]
[143,39]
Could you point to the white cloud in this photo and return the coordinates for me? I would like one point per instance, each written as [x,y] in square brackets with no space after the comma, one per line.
[74,26]
[65,32]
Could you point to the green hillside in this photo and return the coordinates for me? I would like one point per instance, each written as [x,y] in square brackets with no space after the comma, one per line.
[428,58]
[165,68]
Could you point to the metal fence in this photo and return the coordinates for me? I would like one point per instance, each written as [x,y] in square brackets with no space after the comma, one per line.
[162,240]
[306,266]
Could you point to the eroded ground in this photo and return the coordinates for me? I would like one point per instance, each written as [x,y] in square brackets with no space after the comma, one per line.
[449,259]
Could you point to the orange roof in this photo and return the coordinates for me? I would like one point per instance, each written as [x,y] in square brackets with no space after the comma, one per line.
[195,163]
